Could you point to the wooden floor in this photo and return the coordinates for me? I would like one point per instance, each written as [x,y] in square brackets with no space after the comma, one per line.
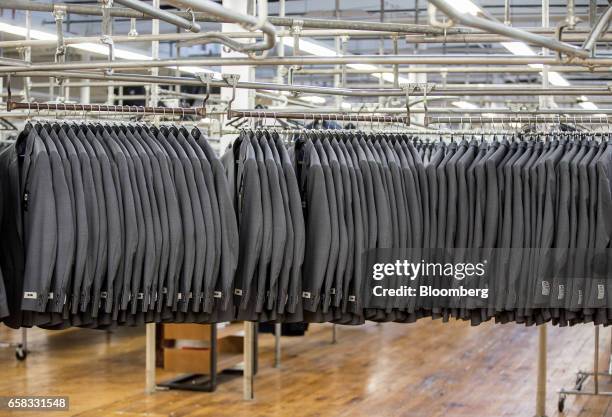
[426,369]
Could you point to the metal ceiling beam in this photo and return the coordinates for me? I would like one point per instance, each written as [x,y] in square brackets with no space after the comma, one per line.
[600,28]
[470,90]
[156,13]
[499,28]
[577,37]
[310,60]
[458,69]
[247,21]
[207,17]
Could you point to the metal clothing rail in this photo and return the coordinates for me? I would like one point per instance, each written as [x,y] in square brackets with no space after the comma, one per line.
[103,108]
[317,116]
[559,118]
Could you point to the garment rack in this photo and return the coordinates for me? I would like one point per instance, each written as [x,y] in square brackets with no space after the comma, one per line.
[429,120]
[347,117]
[105,108]
[582,376]
[542,329]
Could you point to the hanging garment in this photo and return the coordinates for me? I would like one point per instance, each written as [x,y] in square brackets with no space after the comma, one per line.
[516,200]
[122,224]
[114,224]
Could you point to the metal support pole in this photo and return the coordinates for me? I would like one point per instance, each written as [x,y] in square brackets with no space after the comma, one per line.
[610,359]
[249,356]
[507,21]
[541,388]
[24,339]
[395,67]
[280,70]
[150,359]
[334,334]
[277,344]
[151,327]
[596,362]
[542,329]
[155,56]
[340,77]
[592,12]
[27,55]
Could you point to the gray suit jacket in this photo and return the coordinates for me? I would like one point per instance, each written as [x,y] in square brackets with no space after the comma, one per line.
[318,228]
[299,229]
[279,226]
[203,279]
[66,226]
[39,220]
[227,218]
[213,269]
[114,216]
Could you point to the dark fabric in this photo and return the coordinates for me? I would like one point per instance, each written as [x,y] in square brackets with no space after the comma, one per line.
[122,224]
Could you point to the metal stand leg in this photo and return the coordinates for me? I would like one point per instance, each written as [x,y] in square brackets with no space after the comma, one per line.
[277,345]
[334,334]
[24,340]
[249,345]
[541,389]
[582,376]
[150,359]
[596,362]
[610,360]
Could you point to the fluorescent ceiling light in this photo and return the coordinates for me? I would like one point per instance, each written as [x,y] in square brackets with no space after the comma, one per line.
[557,79]
[518,48]
[313,99]
[589,105]
[586,104]
[312,48]
[315,48]
[21,31]
[464,104]
[91,47]
[345,105]
[465,6]
[522,49]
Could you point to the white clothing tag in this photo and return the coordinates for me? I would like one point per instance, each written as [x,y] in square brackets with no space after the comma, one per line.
[545,288]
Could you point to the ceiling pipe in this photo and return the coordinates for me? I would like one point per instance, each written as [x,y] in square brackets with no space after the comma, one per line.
[207,17]
[160,14]
[470,90]
[249,22]
[496,27]
[307,60]
[600,28]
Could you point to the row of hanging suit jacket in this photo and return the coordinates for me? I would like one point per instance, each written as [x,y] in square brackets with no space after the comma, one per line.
[113,224]
[363,191]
